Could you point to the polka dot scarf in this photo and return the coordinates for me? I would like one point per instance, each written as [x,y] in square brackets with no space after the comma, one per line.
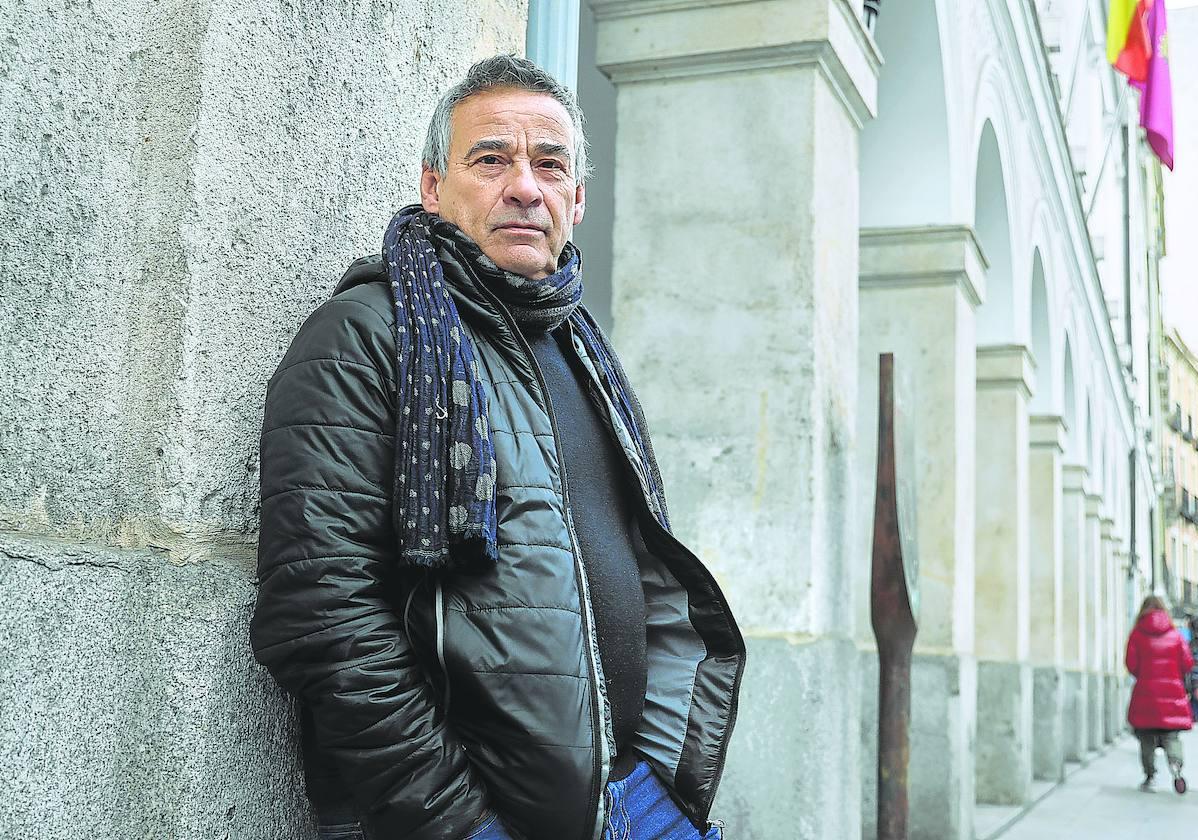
[444,507]
[445,464]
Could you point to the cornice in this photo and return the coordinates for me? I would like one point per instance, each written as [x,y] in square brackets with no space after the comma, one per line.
[1047,432]
[613,9]
[634,45]
[1006,366]
[923,255]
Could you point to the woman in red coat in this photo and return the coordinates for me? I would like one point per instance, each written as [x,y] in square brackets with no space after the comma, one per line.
[1159,659]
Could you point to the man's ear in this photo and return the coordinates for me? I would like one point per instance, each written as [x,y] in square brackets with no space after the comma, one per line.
[580,202]
[429,183]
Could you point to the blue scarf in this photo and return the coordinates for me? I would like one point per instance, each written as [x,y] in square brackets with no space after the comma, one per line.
[444,509]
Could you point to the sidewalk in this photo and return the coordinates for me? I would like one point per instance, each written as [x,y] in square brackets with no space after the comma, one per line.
[1102,800]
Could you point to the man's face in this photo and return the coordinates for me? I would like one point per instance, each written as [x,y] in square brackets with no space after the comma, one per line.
[509,181]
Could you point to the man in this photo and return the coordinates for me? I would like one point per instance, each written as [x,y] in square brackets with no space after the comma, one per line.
[467,575]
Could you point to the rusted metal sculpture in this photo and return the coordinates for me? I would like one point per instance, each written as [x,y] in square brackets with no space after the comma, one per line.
[894,603]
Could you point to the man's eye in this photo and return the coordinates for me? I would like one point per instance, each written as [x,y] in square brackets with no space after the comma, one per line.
[552,164]
[490,159]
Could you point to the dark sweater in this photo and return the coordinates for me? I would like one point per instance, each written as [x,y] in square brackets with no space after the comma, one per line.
[600,508]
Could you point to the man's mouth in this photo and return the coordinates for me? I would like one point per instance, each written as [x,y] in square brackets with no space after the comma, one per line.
[521,227]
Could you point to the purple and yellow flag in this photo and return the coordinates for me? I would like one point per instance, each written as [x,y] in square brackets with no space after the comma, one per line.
[1156,89]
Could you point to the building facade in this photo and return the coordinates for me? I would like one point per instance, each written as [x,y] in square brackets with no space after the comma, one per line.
[1180,469]
[786,190]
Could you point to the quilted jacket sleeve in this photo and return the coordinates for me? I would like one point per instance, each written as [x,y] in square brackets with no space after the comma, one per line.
[323,625]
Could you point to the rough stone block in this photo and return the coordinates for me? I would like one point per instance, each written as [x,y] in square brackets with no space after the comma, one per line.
[1076,703]
[1048,735]
[1004,746]
[1115,710]
[943,720]
[793,763]
[130,703]
[869,743]
[184,228]
[1096,702]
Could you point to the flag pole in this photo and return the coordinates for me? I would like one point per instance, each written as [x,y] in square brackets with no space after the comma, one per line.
[1106,152]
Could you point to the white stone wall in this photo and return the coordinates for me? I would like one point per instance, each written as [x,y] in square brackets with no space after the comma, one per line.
[1025,563]
[183,182]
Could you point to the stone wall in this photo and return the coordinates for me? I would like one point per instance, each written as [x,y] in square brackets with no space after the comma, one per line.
[183,182]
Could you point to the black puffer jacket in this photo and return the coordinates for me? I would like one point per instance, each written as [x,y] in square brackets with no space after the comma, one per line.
[435,696]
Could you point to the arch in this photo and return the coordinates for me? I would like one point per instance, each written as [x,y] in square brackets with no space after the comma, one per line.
[910,134]
[1044,397]
[996,317]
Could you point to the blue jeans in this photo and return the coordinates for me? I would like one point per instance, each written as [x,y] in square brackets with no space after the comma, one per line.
[638,808]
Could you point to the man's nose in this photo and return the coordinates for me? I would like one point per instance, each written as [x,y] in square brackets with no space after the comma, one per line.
[522,189]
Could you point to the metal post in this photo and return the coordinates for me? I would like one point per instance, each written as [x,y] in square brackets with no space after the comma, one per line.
[892,613]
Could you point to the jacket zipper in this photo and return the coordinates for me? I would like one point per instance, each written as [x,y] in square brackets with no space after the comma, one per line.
[603,751]
[439,612]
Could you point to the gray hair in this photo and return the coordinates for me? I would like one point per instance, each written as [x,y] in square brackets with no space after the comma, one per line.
[502,71]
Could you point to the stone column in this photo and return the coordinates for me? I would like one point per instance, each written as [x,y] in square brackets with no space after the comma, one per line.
[1004,740]
[1075,642]
[920,287]
[744,261]
[1107,576]
[1094,621]
[1047,434]
[1116,707]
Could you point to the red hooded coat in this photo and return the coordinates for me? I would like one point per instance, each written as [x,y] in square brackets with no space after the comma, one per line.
[1158,658]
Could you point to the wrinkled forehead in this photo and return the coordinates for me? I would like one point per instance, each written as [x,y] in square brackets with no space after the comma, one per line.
[510,113]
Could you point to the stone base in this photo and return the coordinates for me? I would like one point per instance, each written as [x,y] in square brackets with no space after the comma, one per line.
[1076,713]
[133,707]
[1048,733]
[1004,743]
[1115,709]
[868,659]
[794,759]
[1095,697]
[940,774]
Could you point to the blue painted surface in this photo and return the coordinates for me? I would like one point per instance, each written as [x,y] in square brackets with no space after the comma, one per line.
[552,38]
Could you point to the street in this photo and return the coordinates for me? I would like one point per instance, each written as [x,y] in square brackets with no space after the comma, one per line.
[1102,801]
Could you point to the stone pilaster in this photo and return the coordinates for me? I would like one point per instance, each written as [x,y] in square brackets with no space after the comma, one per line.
[1004,740]
[1047,435]
[1094,621]
[1109,541]
[920,287]
[757,290]
[1119,678]
[1074,627]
